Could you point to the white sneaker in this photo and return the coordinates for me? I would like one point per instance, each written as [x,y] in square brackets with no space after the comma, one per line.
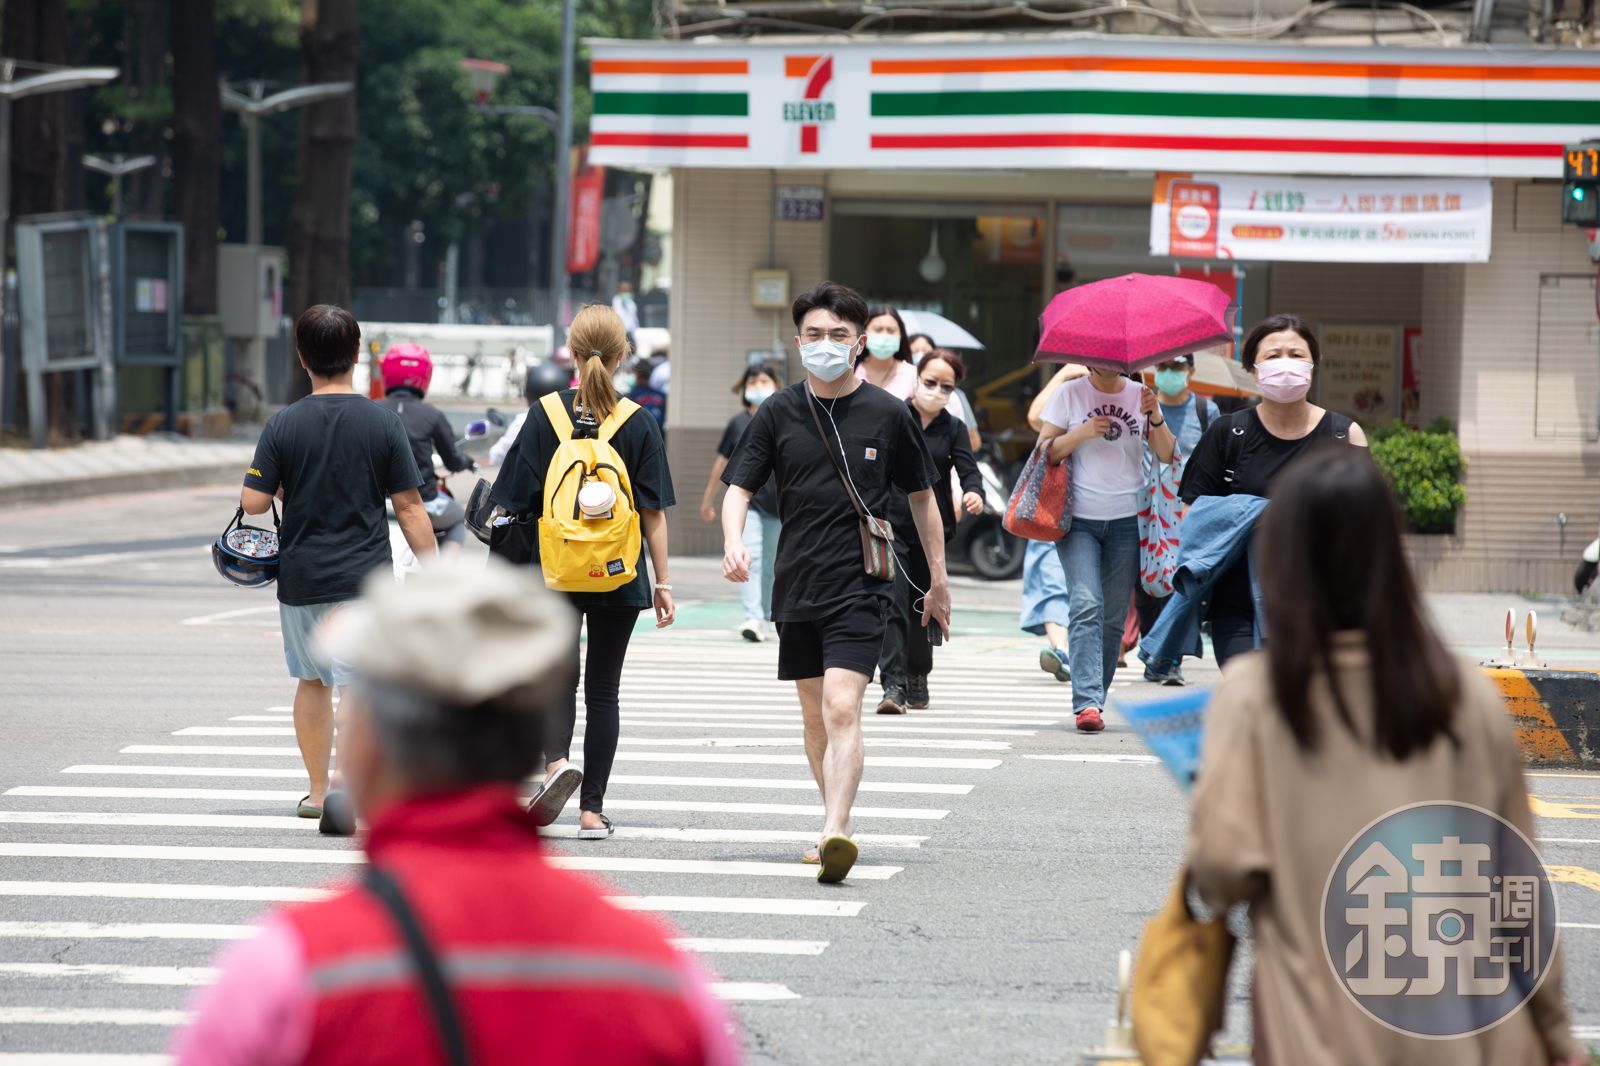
[752,631]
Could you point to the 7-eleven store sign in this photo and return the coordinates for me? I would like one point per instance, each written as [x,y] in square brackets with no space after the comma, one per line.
[811,111]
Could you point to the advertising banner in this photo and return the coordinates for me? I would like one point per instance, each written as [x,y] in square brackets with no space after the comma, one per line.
[1360,372]
[1321,220]
[583,240]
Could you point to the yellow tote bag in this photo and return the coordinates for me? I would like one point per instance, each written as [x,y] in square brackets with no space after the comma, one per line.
[1180,983]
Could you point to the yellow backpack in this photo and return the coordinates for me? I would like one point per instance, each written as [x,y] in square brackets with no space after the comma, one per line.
[579,553]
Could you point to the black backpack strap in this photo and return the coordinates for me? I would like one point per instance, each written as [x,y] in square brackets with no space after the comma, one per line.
[1234,427]
[1202,410]
[1339,425]
[386,890]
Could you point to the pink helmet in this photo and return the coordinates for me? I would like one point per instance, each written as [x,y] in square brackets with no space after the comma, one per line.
[406,366]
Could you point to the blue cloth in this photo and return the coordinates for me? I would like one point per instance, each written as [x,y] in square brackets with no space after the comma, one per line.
[1044,588]
[1184,421]
[761,539]
[300,652]
[1217,532]
[1101,559]
[1172,729]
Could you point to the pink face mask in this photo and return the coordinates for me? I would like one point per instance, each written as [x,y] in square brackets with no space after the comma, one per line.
[1284,380]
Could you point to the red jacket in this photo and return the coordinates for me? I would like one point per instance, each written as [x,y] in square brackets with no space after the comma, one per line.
[542,968]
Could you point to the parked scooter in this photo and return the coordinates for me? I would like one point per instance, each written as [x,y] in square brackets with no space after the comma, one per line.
[982,539]
[480,432]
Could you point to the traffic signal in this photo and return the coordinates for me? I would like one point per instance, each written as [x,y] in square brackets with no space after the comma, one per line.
[1580,196]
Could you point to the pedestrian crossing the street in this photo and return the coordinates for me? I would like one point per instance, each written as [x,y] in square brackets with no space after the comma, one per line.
[121,878]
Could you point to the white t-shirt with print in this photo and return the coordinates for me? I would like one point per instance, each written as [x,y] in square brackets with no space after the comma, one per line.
[1107,474]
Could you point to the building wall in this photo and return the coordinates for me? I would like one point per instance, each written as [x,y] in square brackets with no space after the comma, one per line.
[725,228]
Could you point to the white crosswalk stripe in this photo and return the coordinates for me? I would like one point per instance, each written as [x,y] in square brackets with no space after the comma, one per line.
[183,842]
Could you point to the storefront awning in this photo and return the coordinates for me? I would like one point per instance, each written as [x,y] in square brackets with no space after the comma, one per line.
[1091,102]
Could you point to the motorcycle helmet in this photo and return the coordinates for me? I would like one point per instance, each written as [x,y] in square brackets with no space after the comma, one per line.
[247,555]
[406,366]
[545,378]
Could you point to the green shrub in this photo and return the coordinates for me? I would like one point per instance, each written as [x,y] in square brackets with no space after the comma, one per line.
[1424,466]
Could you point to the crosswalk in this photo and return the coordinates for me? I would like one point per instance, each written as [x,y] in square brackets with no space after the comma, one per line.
[121,878]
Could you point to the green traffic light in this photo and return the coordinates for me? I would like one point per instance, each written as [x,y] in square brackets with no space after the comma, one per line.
[1577,192]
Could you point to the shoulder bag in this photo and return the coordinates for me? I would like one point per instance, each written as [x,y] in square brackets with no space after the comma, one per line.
[1041,503]
[877,536]
[1180,982]
[382,886]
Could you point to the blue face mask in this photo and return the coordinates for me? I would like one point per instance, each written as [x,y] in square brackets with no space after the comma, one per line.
[1171,382]
[826,359]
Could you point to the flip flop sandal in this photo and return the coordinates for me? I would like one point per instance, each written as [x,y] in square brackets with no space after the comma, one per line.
[597,834]
[307,809]
[553,795]
[838,856]
[812,857]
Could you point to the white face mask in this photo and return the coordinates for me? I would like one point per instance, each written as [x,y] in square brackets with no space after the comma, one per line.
[756,395]
[827,359]
[931,400]
[1284,380]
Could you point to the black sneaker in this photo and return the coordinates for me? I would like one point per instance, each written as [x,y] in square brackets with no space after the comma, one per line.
[894,701]
[917,693]
[1171,676]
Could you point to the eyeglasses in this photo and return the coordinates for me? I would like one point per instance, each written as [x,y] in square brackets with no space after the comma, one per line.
[929,383]
[837,336]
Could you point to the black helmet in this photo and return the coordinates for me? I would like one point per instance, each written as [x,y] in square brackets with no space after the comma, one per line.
[247,555]
[545,378]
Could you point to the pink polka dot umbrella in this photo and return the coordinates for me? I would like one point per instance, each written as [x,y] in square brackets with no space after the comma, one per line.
[1133,322]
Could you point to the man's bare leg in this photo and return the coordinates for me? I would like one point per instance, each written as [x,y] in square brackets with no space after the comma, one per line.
[842,764]
[313,731]
[816,734]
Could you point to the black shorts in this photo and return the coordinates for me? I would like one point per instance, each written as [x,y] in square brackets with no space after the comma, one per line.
[848,638]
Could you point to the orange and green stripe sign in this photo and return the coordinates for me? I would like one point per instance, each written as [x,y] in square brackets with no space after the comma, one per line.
[1090,103]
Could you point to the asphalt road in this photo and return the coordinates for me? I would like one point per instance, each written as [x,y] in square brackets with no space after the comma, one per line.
[1006,859]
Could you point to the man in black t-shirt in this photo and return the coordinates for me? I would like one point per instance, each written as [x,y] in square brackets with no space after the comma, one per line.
[829,612]
[334,457]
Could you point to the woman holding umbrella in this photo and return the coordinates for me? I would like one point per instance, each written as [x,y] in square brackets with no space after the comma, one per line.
[1102,424]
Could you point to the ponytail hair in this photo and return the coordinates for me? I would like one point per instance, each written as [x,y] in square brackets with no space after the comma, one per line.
[598,342]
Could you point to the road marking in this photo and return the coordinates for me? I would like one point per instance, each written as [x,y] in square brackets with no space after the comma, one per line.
[1548,809]
[178,931]
[902,761]
[1579,925]
[774,722]
[676,835]
[1574,875]
[223,616]
[750,991]
[914,743]
[57,562]
[130,890]
[47,1058]
[318,856]
[1569,840]
[804,908]
[1134,760]
[124,931]
[240,795]
[175,976]
[297,824]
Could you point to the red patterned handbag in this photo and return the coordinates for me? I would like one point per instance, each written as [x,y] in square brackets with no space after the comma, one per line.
[1041,504]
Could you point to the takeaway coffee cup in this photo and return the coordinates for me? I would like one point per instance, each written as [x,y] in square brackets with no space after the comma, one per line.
[596,500]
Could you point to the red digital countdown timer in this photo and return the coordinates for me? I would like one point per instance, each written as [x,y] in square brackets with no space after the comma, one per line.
[1583,162]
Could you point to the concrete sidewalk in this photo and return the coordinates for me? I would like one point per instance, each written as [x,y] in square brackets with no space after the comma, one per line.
[122,464]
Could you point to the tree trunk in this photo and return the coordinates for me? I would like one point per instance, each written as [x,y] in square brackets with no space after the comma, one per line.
[36,31]
[319,224]
[197,148]
[144,72]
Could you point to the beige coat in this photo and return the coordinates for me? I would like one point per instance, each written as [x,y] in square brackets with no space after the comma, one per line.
[1270,822]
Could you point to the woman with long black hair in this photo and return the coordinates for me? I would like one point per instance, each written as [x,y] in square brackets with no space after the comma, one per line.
[1354,710]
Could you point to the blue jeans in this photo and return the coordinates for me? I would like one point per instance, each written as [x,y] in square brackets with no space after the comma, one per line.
[761,540]
[1101,559]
